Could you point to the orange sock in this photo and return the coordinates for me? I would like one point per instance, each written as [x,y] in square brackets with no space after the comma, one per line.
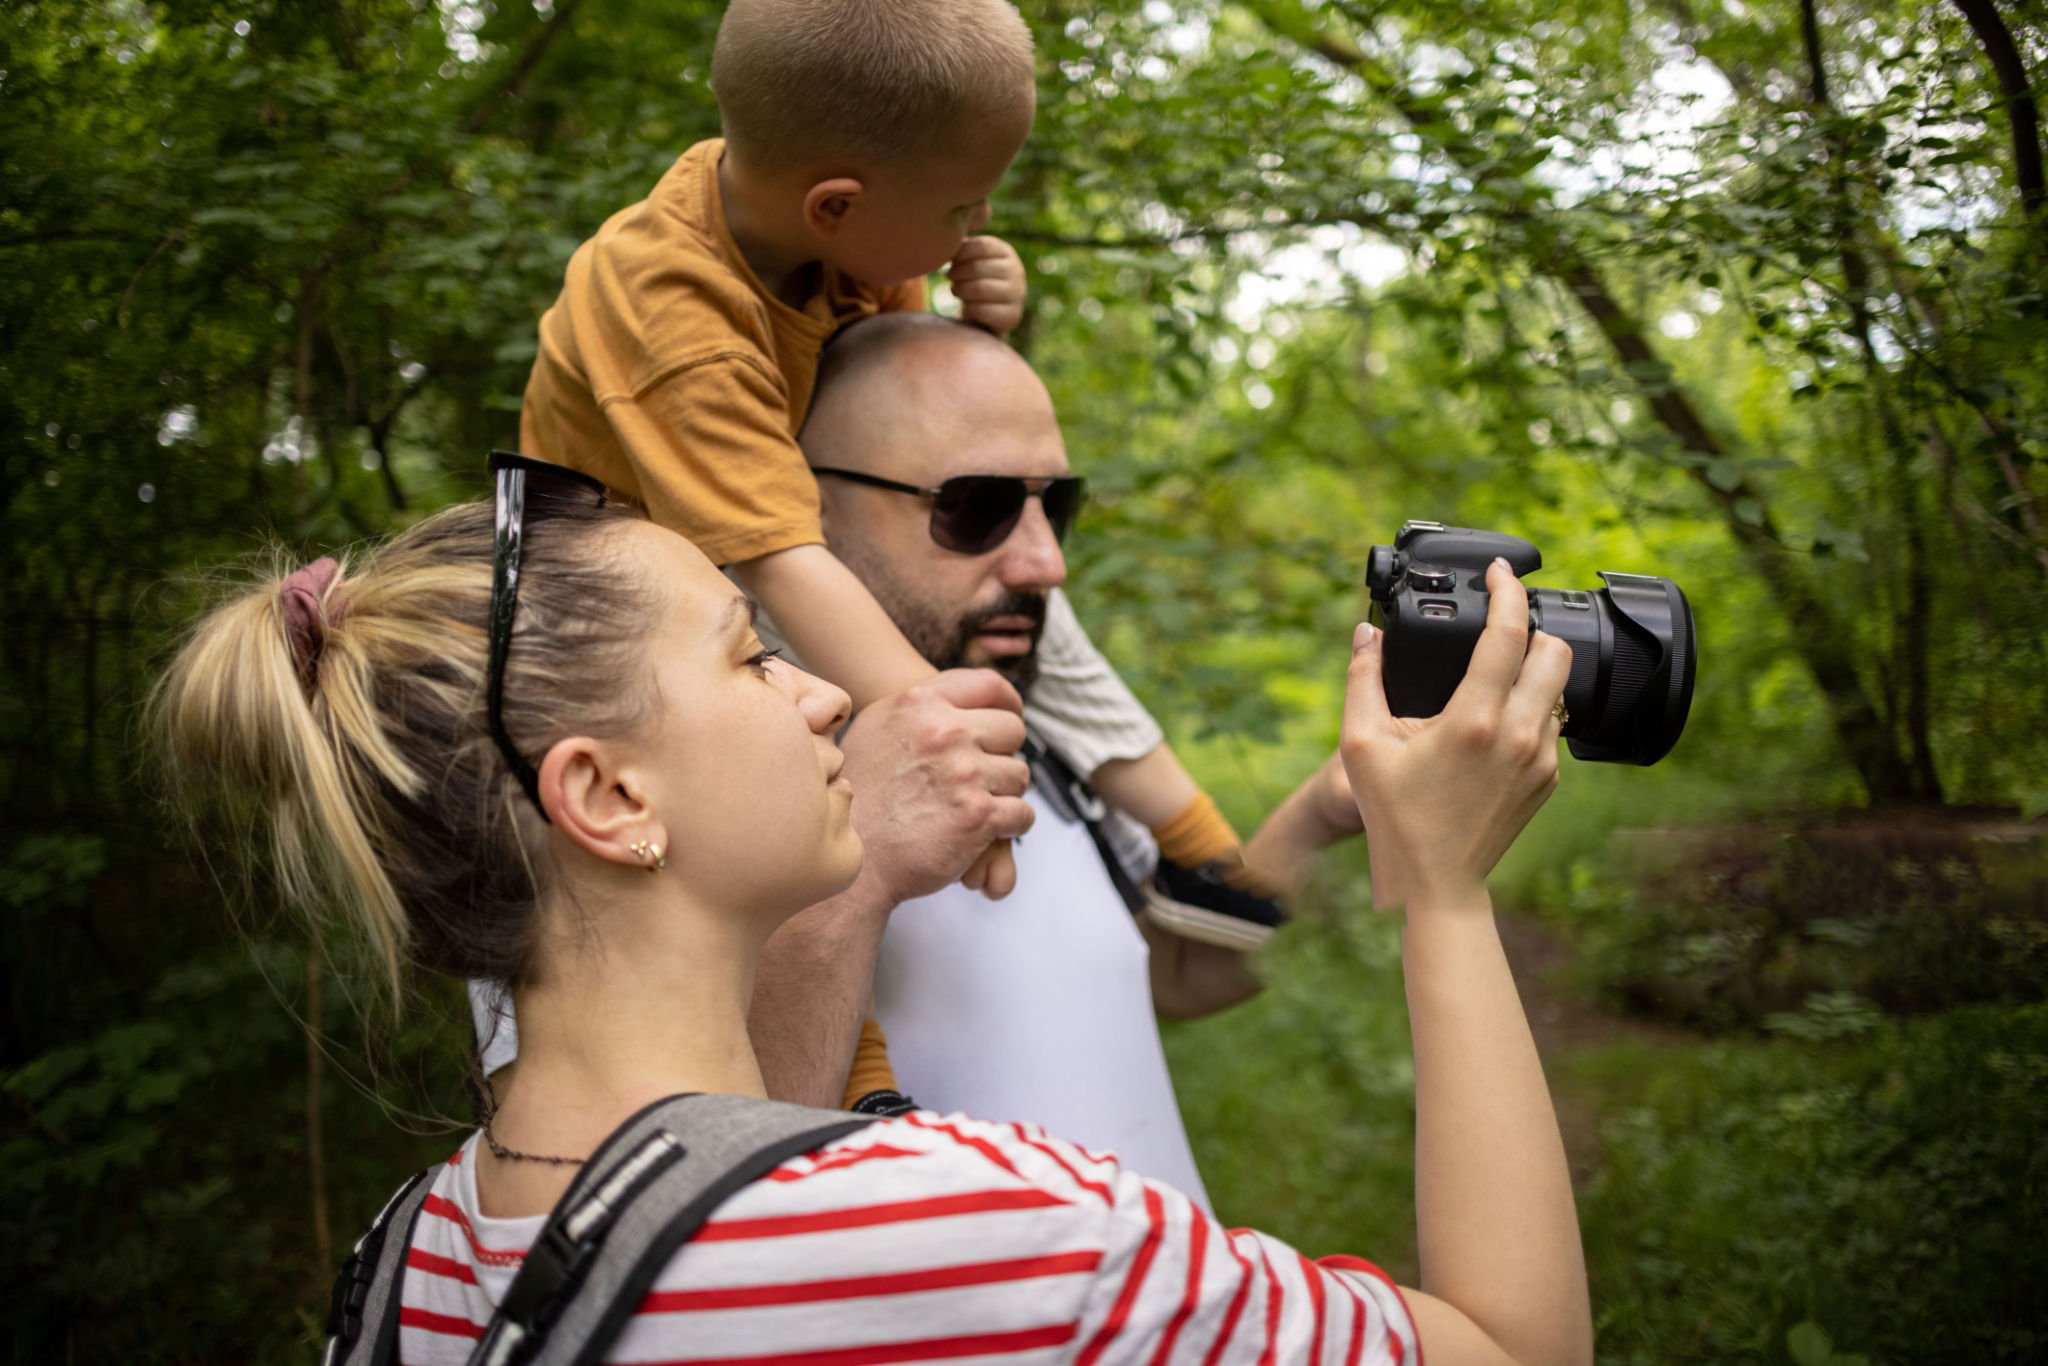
[1199,835]
[871,1069]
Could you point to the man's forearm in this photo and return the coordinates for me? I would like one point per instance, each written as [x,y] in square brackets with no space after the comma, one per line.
[1282,852]
[811,993]
[1191,979]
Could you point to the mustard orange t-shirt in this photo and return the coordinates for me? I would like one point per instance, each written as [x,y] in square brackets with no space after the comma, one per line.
[667,371]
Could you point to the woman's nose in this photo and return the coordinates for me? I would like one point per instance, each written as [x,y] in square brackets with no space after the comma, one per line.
[826,706]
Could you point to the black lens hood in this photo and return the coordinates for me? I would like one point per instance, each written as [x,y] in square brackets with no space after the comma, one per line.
[1657,608]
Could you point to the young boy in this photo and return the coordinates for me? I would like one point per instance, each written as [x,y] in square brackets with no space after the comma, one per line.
[862,141]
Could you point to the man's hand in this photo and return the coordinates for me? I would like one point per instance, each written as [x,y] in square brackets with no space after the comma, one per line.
[936,779]
[1334,804]
[987,277]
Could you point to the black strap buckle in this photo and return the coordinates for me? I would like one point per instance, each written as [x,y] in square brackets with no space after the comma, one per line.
[554,1265]
[351,1291]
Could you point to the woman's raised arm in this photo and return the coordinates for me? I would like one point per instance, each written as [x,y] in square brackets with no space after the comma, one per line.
[1503,1271]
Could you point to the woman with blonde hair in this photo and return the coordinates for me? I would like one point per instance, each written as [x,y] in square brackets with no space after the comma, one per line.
[539,742]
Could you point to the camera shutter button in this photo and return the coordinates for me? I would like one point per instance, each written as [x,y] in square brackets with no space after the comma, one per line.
[1432,580]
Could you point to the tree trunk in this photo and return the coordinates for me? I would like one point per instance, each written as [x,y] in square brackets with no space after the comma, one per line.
[1911,775]
[2022,116]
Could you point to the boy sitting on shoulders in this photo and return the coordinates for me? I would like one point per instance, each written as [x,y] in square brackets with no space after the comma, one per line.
[862,139]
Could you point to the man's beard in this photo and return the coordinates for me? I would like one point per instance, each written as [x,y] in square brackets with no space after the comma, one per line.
[945,642]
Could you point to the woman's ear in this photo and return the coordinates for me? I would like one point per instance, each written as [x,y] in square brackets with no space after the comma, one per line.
[590,799]
[829,203]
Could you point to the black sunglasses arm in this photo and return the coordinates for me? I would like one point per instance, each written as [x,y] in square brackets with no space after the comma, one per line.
[875,481]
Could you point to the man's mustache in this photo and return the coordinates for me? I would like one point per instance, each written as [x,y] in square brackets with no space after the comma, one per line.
[1027,605]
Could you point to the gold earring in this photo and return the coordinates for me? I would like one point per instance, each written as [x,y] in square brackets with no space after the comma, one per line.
[650,854]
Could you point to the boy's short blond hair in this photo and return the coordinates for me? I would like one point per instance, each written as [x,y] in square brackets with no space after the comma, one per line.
[806,82]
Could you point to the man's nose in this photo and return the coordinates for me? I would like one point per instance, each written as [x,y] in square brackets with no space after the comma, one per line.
[1031,557]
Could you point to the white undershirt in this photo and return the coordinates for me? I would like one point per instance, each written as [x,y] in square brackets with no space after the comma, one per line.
[1037,1007]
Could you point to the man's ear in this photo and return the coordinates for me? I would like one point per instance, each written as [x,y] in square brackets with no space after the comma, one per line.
[829,203]
[590,799]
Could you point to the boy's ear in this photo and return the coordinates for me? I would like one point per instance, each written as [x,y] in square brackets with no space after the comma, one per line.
[829,203]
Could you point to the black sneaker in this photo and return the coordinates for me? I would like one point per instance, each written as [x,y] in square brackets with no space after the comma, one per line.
[1198,904]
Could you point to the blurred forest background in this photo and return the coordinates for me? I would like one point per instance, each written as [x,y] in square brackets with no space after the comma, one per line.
[1750,294]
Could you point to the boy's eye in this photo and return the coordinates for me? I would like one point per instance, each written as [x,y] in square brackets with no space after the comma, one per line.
[760,658]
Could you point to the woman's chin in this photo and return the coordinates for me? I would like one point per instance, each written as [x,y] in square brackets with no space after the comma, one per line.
[850,854]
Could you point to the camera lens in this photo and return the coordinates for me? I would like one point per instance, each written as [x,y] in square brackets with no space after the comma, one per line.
[1633,663]
[1382,568]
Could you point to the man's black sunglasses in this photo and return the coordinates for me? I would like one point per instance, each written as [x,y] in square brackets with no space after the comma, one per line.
[975,513]
[525,489]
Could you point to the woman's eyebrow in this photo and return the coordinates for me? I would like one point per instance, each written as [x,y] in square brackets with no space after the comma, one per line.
[738,610]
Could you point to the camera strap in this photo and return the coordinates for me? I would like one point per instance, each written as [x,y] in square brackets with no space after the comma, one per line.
[1073,796]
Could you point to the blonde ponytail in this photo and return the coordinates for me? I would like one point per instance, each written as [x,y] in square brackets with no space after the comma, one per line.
[366,755]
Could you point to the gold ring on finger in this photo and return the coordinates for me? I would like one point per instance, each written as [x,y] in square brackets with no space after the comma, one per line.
[1557,709]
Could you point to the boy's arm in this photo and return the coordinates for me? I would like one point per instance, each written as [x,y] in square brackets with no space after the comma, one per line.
[1151,789]
[835,625]
[840,632]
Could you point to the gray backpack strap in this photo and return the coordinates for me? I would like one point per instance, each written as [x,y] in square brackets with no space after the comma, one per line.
[643,1194]
[366,1291]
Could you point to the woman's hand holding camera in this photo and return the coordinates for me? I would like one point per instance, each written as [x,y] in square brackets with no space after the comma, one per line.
[1443,797]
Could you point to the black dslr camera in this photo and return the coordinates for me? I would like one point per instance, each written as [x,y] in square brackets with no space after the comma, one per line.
[1633,652]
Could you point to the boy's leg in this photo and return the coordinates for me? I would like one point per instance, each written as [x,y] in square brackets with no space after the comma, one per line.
[1079,705]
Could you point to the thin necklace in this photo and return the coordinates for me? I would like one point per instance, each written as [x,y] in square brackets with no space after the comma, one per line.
[487,1096]
[500,1151]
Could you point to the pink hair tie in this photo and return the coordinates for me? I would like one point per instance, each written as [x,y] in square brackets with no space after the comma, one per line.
[305,619]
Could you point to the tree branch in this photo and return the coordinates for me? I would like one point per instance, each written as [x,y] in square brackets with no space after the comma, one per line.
[1823,643]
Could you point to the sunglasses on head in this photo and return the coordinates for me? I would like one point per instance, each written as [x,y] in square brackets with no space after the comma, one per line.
[975,513]
[524,490]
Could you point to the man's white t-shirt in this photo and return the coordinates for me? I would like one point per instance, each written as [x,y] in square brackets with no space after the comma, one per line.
[1036,1008]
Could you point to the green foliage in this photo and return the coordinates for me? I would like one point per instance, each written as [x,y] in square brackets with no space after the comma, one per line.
[1612,277]
[1764,1202]
[1741,928]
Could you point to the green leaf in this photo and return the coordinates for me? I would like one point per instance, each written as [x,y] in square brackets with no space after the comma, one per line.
[1809,1345]
[1724,474]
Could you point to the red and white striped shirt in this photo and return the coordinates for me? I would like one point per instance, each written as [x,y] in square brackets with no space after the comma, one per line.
[929,1238]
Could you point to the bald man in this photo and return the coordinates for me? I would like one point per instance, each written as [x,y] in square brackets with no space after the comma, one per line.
[1041,1007]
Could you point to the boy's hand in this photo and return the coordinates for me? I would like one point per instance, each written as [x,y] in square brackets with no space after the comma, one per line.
[987,277]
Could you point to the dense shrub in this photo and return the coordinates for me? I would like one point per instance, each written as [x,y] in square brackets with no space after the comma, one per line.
[1889,1187]
[1721,930]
